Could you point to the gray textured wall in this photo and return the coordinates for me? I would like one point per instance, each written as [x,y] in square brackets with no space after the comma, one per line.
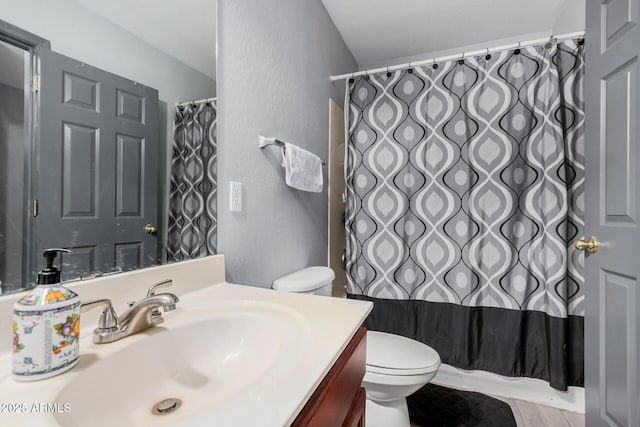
[274,62]
[11,184]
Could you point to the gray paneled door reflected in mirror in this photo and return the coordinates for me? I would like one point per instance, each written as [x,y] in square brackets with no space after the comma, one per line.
[98,168]
[95,171]
[88,134]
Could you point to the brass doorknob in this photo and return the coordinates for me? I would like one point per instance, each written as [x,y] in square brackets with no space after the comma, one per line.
[591,246]
[150,229]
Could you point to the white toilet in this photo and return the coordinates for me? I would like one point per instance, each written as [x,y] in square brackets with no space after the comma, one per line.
[310,280]
[396,366]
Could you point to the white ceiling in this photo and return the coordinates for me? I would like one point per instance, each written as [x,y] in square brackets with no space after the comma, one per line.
[185,30]
[374,30]
[379,30]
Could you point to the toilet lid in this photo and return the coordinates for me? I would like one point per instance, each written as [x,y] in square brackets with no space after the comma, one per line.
[307,279]
[396,355]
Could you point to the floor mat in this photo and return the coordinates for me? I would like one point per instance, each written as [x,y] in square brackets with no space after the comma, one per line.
[437,406]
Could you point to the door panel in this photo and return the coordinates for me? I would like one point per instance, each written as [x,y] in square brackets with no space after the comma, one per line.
[611,210]
[80,152]
[97,185]
[80,92]
[130,106]
[129,172]
[618,109]
[618,17]
[129,254]
[617,327]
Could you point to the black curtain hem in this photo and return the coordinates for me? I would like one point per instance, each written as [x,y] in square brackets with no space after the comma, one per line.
[507,342]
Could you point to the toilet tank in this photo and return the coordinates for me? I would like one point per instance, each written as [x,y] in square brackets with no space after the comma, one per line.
[310,280]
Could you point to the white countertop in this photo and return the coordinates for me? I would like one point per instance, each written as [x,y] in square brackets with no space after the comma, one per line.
[328,324]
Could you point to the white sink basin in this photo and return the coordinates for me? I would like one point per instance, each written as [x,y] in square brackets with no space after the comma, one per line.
[236,356]
[211,358]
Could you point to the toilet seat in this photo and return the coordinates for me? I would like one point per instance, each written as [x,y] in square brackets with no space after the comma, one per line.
[402,372]
[390,354]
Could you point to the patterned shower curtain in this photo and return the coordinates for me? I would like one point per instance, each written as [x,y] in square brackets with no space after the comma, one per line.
[464,196]
[192,231]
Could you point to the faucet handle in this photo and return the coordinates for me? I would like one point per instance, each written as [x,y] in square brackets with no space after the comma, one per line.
[163,284]
[108,319]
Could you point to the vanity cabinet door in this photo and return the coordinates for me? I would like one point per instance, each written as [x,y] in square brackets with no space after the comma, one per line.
[339,400]
[355,417]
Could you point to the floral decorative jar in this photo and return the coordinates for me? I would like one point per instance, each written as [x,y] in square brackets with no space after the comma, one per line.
[46,328]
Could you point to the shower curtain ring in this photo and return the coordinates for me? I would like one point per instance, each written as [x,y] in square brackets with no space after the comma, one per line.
[550,43]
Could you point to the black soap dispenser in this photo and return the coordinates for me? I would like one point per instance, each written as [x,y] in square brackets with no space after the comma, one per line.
[46,326]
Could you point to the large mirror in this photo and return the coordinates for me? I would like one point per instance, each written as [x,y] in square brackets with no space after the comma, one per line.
[107,135]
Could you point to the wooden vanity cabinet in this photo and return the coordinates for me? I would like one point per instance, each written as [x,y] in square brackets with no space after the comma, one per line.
[339,400]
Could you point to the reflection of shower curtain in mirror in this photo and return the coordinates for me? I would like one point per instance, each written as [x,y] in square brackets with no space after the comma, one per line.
[192,230]
[465,193]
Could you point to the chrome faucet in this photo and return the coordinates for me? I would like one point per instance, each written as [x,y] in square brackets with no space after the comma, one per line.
[141,315]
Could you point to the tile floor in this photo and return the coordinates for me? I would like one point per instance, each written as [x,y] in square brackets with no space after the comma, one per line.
[534,415]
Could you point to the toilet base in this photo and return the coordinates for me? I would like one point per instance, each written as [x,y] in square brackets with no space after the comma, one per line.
[387,414]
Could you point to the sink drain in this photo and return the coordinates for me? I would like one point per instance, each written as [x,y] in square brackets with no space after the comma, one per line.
[166,406]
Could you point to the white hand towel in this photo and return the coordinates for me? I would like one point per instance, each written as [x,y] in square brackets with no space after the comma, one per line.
[303,170]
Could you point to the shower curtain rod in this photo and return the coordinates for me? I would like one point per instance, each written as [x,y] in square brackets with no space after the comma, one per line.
[457,56]
[199,101]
